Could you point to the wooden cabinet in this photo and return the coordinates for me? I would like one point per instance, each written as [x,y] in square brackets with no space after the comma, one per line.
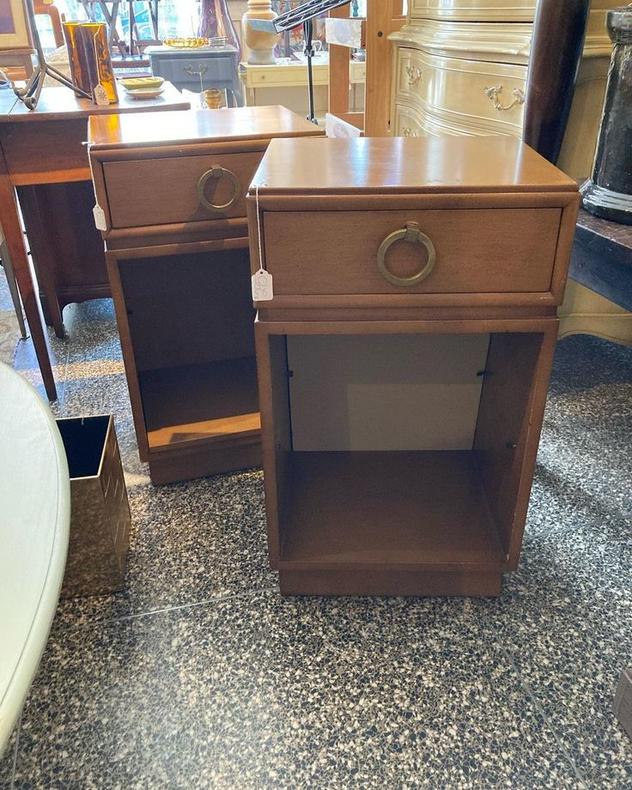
[173,203]
[460,68]
[402,387]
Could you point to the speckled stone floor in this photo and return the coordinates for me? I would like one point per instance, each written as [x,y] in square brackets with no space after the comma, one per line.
[9,330]
[200,675]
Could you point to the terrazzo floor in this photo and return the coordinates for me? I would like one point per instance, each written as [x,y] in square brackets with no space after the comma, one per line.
[200,675]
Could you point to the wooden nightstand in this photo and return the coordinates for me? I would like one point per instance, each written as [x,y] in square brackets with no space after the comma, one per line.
[404,357]
[173,201]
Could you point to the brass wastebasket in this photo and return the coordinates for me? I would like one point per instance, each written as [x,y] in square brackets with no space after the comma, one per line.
[100,517]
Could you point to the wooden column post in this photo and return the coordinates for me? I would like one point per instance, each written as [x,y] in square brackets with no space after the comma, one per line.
[260,44]
[383,18]
[556,50]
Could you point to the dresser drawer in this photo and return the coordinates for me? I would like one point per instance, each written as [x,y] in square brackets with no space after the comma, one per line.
[183,69]
[146,192]
[411,77]
[468,11]
[407,122]
[473,251]
[477,98]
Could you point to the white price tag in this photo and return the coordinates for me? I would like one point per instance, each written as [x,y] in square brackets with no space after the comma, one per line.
[99,218]
[100,96]
[262,290]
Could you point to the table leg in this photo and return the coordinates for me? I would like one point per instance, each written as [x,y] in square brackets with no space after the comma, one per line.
[42,255]
[153,10]
[132,25]
[238,97]
[24,276]
[13,288]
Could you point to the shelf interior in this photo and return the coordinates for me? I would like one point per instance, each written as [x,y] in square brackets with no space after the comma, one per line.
[212,401]
[422,508]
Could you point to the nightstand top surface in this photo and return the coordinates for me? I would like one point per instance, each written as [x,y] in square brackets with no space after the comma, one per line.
[195,126]
[406,165]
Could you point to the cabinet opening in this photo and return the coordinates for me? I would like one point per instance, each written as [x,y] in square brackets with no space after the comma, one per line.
[191,325]
[399,450]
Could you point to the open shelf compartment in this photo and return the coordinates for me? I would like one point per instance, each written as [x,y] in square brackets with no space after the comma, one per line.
[214,402]
[190,359]
[408,470]
[360,509]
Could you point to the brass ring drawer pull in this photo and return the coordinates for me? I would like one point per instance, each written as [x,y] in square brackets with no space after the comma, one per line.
[412,234]
[217,172]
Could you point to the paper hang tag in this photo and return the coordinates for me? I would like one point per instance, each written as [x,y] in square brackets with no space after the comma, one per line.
[99,218]
[100,96]
[262,290]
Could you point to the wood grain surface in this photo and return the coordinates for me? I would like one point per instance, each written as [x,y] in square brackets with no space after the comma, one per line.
[213,126]
[406,165]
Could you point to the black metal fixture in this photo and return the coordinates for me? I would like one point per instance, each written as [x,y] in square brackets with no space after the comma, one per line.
[30,93]
[302,15]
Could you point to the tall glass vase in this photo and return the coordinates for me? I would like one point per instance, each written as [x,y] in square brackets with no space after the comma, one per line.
[90,61]
[215,22]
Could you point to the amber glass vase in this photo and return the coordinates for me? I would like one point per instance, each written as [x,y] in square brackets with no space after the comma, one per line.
[78,69]
[90,61]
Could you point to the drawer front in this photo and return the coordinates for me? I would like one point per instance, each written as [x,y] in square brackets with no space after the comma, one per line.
[164,191]
[482,97]
[488,251]
[412,77]
[474,10]
[408,122]
[183,69]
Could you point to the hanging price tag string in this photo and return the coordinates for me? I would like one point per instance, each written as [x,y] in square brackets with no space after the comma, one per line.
[262,290]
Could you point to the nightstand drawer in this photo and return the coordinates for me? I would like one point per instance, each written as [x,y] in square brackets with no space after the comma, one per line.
[412,252]
[178,189]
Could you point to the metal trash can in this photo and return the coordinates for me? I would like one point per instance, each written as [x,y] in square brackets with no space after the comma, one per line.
[100,517]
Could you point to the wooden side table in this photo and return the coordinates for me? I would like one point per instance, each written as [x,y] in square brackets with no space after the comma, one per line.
[17,60]
[177,249]
[404,356]
[257,80]
[43,159]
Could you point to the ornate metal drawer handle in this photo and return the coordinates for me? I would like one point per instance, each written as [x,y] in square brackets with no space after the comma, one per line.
[408,132]
[217,172]
[414,75]
[193,73]
[493,93]
[414,235]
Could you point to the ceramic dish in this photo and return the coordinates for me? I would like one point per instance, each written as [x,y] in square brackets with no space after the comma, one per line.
[145,93]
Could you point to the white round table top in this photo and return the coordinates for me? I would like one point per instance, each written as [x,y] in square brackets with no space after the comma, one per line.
[34,529]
